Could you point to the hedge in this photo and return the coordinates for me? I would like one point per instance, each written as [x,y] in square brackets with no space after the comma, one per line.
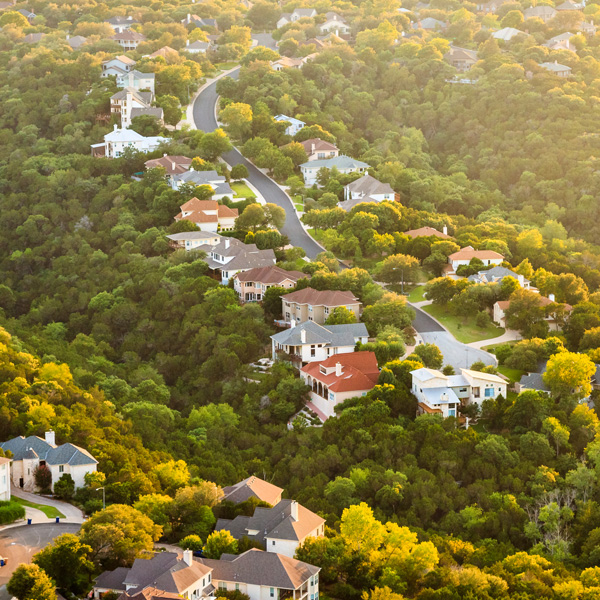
[10,511]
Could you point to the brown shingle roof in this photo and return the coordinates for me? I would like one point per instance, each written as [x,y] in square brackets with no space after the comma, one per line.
[426,232]
[270,275]
[253,487]
[172,164]
[129,36]
[319,144]
[322,297]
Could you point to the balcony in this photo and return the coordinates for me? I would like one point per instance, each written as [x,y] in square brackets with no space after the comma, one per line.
[282,324]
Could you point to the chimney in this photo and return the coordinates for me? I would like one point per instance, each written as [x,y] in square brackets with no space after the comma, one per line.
[303,336]
[115,127]
[552,297]
[68,37]
[189,18]
[294,510]
[227,242]
[165,155]
[187,557]
[187,42]
[312,148]
[173,165]
[50,438]
[338,369]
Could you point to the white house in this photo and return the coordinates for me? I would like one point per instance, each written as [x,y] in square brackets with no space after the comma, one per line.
[557,69]
[540,11]
[281,529]
[500,307]
[251,285]
[465,255]
[318,149]
[344,164]
[197,47]
[507,33]
[295,125]
[437,393]
[117,140]
[195,240]
[31,452]
[310,342]
[136,80]
[4,478]
[218,183]
[117,66]
[298,13]
[287,62]
[120,23]
[130,103]
[366,189]
[339,378]
[497,274]
[334,23]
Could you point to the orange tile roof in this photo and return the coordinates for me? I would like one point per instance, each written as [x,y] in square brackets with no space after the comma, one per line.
[359,371]
[468,253]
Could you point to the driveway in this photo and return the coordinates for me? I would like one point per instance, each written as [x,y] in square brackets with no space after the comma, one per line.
[19,544]
[205,119]
[72,513]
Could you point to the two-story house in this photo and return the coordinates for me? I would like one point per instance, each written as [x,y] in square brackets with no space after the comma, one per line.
[316,305]
[252,487]
[208,215]
[461,59]
[117,66]
[318,149]
[137,80]
[173,165]
[497,274]
[366,189]
[264,575]
[251,285]
[118,140]
[310,342]
[298,13]
[334,23]
[195,240]
[121,23]
[129,39]
[437,393]
[338,378]
[465,255]
[295,125]
[218,183]
[279,529]
[4,478]
[344,164]
[129,103]
[31,452]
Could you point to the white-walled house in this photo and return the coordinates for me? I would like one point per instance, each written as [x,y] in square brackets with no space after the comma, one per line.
[437,393]
[137,80]
[251,285]
[280,529]
[208,215]
[31,452]
[195,240]
[310,342]
[129,39]
[4,478]
[117,66]
[334,23]
[497,274]
[298,13]
[318,149]
[366,189]
[121,23]
[465,255]
[344,164]
[295,125]
[130,103]
[118,140]
[339,378]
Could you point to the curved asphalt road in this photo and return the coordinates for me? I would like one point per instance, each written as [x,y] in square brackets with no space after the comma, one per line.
[205,119]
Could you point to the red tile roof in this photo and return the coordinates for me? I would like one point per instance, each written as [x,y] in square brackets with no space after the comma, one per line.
[468,253]
[359,371]
[200,208]
[322,297]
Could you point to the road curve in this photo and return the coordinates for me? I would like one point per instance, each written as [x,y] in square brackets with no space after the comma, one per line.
[205,119]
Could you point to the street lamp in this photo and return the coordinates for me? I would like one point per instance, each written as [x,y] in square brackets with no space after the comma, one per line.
[103,496]
[401,275]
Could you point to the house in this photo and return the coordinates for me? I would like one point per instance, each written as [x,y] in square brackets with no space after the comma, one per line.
[309,342]
[165,52]
[334,23]
[430,24]
[316,305]
[437,393]
[120,23]
[125,101]
[318,149]
[319,44]
[500,307]
[33,38]
[588,28]
[461,58]
[492,6]
[252,487]
[218,183]
[344,164]
[164,572]
[280,529]
[295,125]
[7,5]
[197,47]
[129,39]
[173,165]
[366,189]
[298,13]
[118,140]
[561,42]
[497,274]
[286,62]
[117,66]
[77,41]
[251,285]
[30,16]
[428,232]
[193,21]
[339,378]
[507,33]
[264,575]
[195,240]
[137,81]
[532,381]
[208,215]
[230,256]
[557,69]
[541,11]
[4,478]
[465,255]
[31,452]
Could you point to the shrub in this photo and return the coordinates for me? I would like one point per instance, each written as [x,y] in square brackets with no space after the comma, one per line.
[43,478]
[11,511]
[65,487]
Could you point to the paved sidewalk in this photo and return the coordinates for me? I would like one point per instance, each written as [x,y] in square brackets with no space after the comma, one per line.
[509,335]
[422,303]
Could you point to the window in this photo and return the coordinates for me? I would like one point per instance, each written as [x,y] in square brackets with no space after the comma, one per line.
[331,396]
[476,393]
[313,350]
[222,585]
[489,392]
[310,309]
[326,310]
[273,543]
[462,390]
[237,587]
[61,468]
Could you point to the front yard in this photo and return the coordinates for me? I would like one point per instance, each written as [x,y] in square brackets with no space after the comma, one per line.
[241,190]
[50,511]
[464,330]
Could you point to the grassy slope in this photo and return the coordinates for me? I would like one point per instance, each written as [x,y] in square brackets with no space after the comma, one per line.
[50,511]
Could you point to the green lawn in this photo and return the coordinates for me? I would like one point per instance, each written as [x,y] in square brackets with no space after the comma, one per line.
[464,331]
[241,190]
[416,294]
[49,511]
[512,374]
[317,234]
[225,66]
[492,347]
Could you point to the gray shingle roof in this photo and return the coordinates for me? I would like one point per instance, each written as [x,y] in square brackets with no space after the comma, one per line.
[335,335]
[153,111]
[493,274]
[113,580]
[369,185]
[340,162]
[67,454]
[534,381]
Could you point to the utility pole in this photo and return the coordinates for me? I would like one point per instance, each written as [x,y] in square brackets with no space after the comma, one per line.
[103,496]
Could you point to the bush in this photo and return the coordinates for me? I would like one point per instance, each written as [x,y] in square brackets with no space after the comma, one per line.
[43,478]
[11,511]
[192,542]
[65,487]
[483,319]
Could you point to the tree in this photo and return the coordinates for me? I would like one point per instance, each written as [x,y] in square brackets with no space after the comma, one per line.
[525,313]
[43,477]
[238,118]
[192,542]
[119,534]
[272,302]
[220,542]
[214,144]
[239,172]
[65,487]
[381,593]
[341,316]
[557,432]
[295,151]
[155,506]
[146,125]
[251,218]
[30,582]
[274,216]
[570,373]
[171,109]
[397,268]
[390,310]
[430,354]
[12,17]
[67,562]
